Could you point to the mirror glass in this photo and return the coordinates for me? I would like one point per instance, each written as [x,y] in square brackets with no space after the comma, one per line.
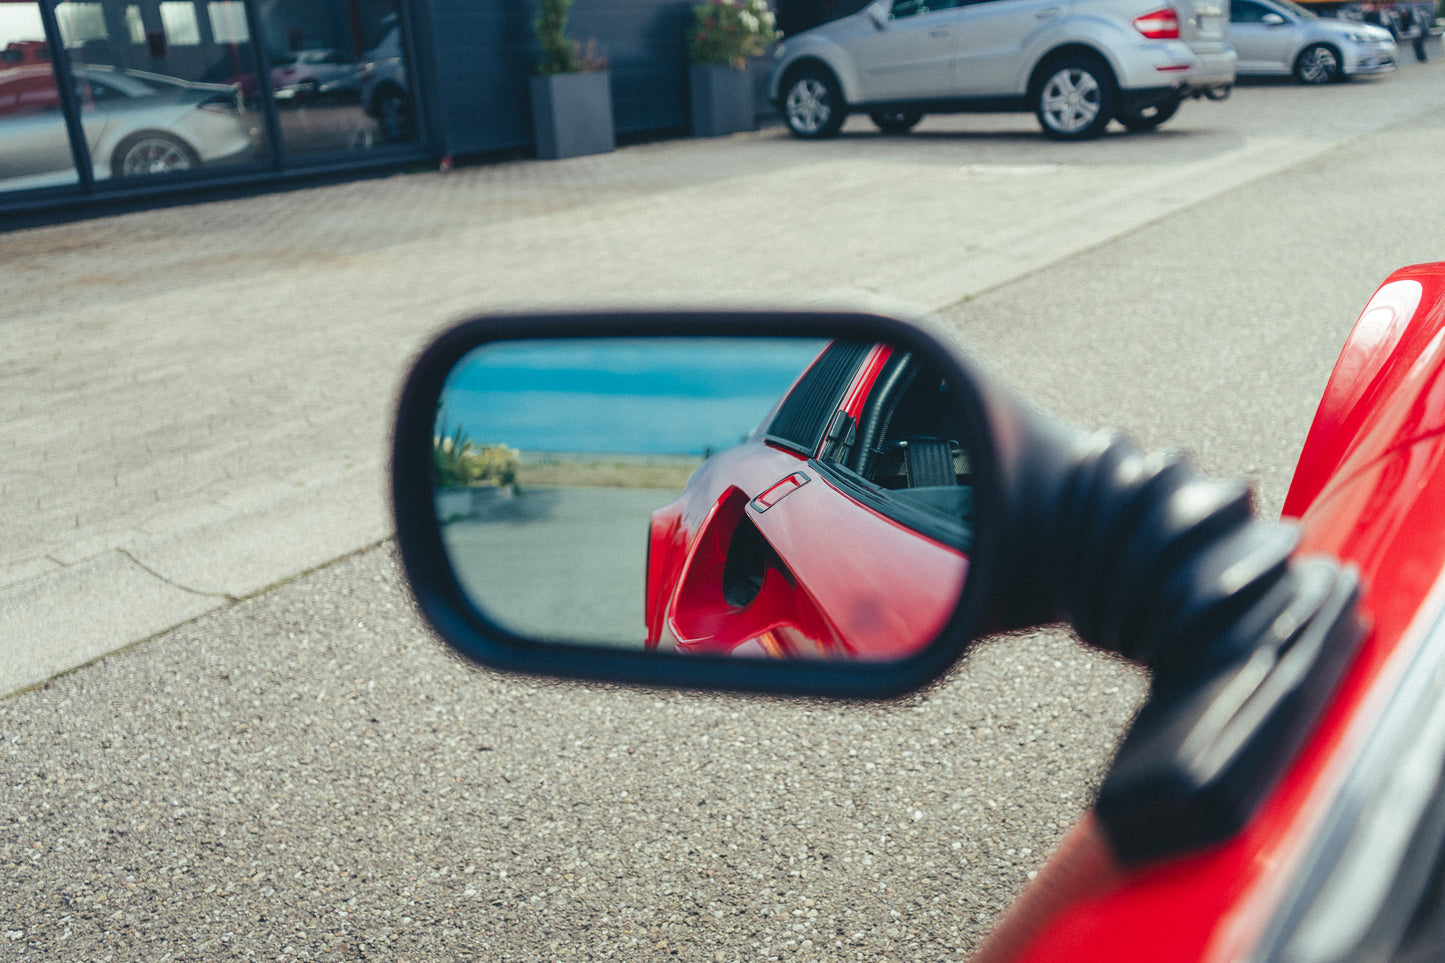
[752,497]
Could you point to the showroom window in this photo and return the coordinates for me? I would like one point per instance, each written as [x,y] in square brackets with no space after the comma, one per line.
[34,139]
[173,90]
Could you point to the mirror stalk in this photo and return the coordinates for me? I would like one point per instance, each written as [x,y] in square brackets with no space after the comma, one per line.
[1149,559]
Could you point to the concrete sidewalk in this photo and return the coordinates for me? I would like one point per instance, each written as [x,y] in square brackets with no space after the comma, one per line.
[198,398]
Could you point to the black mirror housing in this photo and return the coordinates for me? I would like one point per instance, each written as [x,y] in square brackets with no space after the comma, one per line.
[480,636]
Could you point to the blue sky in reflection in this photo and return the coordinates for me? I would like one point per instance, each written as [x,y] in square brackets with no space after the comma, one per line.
[653,396]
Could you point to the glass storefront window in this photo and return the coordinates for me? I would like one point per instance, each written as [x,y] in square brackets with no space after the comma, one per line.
[228,22]
[80,22]
[135,24]
[338,76]
[163,87]
[159,92]
[34,141]
[178,19]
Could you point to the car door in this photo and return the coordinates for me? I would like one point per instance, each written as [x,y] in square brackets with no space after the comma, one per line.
[1263,47]
[912,56]
[994,39]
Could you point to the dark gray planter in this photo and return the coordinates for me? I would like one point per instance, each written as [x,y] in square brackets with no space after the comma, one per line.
[572,114]
[722,100]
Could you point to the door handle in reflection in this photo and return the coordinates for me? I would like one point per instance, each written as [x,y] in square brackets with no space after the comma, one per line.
[939,32]
[1048,13]
[779,491]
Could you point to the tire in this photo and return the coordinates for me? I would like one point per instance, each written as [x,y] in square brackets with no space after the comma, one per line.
[1074,98]
[1317,64]
[896,121]
[813,103]
[152,152]
[393,116]
[1147,118]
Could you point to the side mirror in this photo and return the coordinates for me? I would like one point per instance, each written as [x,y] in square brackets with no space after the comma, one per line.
[878,13]
[799,502]
[825,503]
[1273,20]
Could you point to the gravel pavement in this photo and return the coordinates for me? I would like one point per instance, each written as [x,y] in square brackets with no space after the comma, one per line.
[349,791]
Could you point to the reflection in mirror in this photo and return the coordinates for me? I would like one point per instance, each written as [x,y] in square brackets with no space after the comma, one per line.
[767,497]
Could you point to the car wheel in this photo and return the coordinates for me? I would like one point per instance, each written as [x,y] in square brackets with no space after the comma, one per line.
[1074,100]
[152,152]
[393,116]
[1318,64]
[896,121]
[813,103]
[1147,118]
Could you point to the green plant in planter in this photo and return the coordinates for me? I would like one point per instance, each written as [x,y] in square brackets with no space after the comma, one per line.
[731,32]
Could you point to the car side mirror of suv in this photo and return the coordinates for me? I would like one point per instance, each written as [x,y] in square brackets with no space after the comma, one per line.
[878,13]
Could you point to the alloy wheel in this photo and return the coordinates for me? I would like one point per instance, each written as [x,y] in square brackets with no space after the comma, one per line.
[809,105]
[1071,100]
[1318,65]
[155,155]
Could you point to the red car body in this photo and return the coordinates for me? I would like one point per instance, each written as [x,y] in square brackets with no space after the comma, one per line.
[746,561]
[1369,489]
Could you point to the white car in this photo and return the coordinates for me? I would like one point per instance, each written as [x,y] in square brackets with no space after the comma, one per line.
[136,124]
[1279,38]
[1076,64]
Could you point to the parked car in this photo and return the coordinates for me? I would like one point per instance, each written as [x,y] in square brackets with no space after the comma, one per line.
[1278,797]
[1279,38]
[384,92]
[308,74]
[135,124]
[19,53]
[745,562]
[1076,65]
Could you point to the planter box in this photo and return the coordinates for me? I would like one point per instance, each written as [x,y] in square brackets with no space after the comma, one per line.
[455,504]
[722,100]
[572,114]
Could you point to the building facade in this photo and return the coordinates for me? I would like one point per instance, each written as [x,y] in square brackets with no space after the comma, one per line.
[114,98]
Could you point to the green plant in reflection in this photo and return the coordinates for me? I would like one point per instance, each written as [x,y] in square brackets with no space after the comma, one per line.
[459,462]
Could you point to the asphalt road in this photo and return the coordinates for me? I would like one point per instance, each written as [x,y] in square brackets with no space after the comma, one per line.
[304,773]
[561,563]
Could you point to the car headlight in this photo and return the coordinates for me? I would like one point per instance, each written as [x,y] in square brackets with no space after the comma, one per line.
[1360,38]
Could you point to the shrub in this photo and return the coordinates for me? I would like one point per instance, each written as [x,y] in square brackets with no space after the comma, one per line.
[459,462]
[731,31]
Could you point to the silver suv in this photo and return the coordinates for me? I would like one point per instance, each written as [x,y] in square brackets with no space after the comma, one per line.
[1077,64]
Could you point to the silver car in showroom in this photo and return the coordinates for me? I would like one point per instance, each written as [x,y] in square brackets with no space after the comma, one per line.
[135,124]
[1279,38]
[1076,64]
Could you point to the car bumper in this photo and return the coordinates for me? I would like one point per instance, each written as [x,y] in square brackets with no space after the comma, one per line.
[1369,59]
[1179,68]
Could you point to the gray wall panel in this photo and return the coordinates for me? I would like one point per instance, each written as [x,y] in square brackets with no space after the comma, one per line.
[483,53]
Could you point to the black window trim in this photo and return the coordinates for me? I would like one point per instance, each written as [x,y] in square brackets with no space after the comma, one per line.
[929,524]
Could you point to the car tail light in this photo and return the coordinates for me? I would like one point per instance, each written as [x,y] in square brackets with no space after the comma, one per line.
[1161,24]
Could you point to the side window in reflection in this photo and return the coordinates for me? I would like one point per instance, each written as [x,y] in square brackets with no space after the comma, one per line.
[1242,11]
[804,414]
[909,8]
[907,445]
